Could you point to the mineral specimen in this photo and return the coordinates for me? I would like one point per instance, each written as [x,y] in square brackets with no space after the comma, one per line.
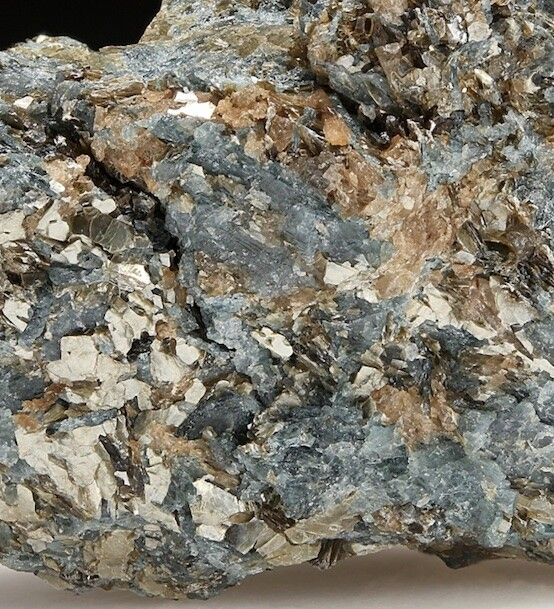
[277,286]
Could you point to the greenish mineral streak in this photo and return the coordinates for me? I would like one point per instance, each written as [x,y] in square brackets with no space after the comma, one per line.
[277,286]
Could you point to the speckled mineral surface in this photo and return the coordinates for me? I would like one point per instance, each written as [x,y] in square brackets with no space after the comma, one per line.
[277,286]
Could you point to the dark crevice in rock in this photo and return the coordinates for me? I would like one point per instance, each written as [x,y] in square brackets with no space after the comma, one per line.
[201,330]
[139,346]
[145,211]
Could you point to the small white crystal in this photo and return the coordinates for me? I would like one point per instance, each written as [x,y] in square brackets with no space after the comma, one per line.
[24,102]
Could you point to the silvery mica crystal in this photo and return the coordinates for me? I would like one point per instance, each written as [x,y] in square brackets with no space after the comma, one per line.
[277,287]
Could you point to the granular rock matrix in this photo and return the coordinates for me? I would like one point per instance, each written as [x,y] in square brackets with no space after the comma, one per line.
[277,286]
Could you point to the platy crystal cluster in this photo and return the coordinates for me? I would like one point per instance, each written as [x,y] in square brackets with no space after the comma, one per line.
[277,286]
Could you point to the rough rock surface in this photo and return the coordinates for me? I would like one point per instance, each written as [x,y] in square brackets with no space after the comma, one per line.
[277,286]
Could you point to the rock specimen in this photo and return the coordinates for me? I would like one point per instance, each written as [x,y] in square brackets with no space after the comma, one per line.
[277,286]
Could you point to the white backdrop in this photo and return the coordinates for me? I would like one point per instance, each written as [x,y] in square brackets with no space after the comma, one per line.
[395,579]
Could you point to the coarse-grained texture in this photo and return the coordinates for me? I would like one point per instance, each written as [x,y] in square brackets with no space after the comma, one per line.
[277,286]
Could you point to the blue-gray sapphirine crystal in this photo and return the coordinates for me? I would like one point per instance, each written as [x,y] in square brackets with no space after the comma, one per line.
[277,286]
